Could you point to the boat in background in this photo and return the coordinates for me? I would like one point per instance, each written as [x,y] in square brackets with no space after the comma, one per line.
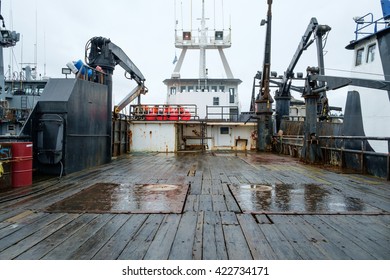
[18,99]
[20,91]
[371,59]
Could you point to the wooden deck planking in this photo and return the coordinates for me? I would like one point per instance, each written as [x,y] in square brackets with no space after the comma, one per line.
[90,247]
[15,222]
[184,242]
[27,230]
[346,248]
[114,247]
[257,242]
[212,225]
[230,201]
[320,238]
[376,230]
[229,218]
[161,245]
[26,243]
[236,244]
[279,243]
[197,250]
[42,248]
[140,242]
[213,237]
[362,242]
[306,248]
[70,245]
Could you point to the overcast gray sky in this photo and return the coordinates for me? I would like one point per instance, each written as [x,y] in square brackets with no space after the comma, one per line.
[144,29]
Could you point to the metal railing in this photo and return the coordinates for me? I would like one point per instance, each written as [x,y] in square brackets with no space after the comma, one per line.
[164,112]
[194,37]
[335,150]
[368,26]
[226,113]
[346,145]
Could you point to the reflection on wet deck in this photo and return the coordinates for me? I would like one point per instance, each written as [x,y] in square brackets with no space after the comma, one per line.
[210,206]
[297,198]
[124,198]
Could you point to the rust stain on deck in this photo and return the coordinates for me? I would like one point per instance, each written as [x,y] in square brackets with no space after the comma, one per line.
[124,198]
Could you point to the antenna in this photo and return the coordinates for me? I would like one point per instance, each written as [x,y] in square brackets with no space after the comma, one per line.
[44,54]
[214,16]
[36,40]
[223,16]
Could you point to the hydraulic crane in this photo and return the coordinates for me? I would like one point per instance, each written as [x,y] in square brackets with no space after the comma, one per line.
[102,52]
[76,114]
[283,95]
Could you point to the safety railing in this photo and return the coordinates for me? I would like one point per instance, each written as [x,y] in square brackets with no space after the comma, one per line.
[213,38]
[164,112]
[366,25]
[350,152]
[354,145]
[225,113]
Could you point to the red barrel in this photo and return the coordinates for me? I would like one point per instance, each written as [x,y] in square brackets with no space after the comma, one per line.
[173,114]
[22,164]
[151,114]
[185,116]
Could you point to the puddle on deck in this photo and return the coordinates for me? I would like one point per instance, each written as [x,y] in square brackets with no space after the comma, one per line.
[297,198]
[122,198]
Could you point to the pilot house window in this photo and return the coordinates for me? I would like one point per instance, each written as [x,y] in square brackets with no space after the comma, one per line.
[371,53]
[359,56]
[231,95]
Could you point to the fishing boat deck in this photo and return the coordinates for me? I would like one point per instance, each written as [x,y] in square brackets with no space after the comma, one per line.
[217,205]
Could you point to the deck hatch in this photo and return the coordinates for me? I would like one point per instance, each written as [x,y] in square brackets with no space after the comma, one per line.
[124,198]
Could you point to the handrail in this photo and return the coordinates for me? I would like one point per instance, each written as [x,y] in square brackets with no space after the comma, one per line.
[339,144]
[366,24]
[222,113]
[164,112]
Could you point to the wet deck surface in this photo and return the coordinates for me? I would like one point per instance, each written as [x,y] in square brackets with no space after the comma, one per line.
[199,206]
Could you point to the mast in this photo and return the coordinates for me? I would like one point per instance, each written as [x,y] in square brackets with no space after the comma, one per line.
[7,39]
[202,45]
[264,93]
[264,99]
[188,40]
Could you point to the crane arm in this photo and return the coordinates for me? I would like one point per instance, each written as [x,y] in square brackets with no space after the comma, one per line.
[102,52]
[140,89]
[333,82]
[125,62]
[303,45]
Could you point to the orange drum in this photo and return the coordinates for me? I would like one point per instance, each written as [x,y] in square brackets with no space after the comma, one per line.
[173,114]
[185,116]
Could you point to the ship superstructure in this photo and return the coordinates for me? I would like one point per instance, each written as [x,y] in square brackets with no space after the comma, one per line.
[372,61]
[213,97]
[19,91]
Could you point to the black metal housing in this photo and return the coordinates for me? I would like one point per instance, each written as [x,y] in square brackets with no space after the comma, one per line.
[69,126]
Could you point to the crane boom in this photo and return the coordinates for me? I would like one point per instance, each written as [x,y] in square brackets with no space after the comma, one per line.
[125,62]
[104,53]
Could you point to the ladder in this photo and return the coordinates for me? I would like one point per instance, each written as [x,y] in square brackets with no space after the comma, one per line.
[23,102]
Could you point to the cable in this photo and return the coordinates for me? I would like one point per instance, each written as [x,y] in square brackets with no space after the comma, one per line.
[62,169]
[357,72]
